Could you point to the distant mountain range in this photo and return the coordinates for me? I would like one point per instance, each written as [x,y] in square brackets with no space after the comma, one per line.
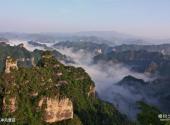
[162,48]
[109,37]
[43,69]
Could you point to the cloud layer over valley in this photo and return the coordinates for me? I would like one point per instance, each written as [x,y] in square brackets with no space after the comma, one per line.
[106,76]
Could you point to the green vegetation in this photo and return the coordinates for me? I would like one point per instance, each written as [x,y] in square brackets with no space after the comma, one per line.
[85,46]
[139,60]
[20,53]
[149,115]
[43,79]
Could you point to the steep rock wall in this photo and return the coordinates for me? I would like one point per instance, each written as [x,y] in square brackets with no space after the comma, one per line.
[56,110]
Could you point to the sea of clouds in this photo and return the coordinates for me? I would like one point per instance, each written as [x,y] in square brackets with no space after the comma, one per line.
[105,77]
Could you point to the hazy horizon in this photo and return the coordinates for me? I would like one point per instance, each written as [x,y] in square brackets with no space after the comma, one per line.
[142,18]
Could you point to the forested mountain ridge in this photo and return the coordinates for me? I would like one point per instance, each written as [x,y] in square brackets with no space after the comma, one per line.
[44,91]
[31,95]
[25,57]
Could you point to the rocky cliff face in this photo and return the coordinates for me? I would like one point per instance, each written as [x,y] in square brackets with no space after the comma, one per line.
[10,64]
[56,109]
[28,62]
[9,104]
[92,91]
[13,64]
[51,93]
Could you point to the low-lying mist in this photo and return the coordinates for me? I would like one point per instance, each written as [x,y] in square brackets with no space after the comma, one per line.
[105,76]
[26,44]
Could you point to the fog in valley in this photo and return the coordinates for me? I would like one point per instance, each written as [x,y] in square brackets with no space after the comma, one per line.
[105,76]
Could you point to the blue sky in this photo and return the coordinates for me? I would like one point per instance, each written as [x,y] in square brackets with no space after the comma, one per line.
[150,18]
